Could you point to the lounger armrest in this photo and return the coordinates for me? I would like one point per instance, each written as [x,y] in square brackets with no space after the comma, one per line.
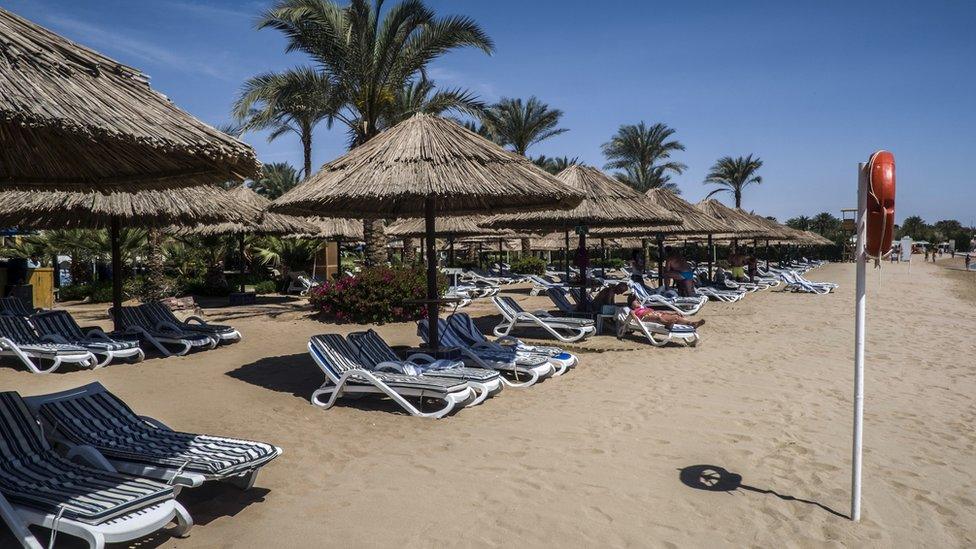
[421,358]
[541,313]
[90,456]
[391,367]
[96,333]
[155,423]
[195,319]
[53,338]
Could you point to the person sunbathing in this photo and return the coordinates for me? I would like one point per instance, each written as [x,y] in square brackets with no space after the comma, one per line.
[668,319]
[606,296]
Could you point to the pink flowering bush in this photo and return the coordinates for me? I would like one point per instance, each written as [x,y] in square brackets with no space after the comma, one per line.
[375,295]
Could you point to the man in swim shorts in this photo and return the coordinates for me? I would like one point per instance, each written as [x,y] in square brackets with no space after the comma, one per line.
[680,272]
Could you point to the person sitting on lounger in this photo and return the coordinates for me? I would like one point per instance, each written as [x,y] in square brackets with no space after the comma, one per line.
[606,296]
[680,272]
[668,319]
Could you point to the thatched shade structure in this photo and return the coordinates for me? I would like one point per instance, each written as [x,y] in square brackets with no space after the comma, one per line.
[73,119]
[693,220]
[87,143]
[455,226]
[608,203]
[737,222]
[333,228]
[262,223]
[422,167]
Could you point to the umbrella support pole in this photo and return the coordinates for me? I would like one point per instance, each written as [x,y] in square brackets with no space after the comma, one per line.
[116,269]
[767,255]
[584,295]
[450,241]
[569,279]
[430,211]
[603,255]
[711,253]
[244,263]
[660,259]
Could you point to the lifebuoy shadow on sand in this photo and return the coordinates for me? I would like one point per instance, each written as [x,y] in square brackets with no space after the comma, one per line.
[712,478]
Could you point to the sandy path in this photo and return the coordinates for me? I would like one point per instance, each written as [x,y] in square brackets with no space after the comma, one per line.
[593,458]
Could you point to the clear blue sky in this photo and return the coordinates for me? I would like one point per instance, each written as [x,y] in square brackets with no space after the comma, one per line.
[812,88]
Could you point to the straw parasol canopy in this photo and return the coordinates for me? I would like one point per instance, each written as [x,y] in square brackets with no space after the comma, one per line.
[333,228]
[451,227]
[737,222]
[608,203]
[262,222]
[72,119]
[693,220]
[426,157]
[774,230]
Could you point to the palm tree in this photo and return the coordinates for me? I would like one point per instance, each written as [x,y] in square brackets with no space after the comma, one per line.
[293,101]
[555,164]
[644,155]
[825,223]
[520,125]
[915,227]
[732,175]
[800,222]
[420,97]
[369,56]
[276,179]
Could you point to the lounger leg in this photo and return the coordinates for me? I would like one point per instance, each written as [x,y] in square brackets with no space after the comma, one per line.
[184,522]
[245,481]
[480,390]
[108,358]
[17,525]
[533,378]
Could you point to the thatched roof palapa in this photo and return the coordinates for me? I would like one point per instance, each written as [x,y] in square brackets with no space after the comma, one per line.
[72,119]
[262,222]
[332,228]
[608,203]
[693,220]
[774,230]
[393,175]
[454,226]
[738,223]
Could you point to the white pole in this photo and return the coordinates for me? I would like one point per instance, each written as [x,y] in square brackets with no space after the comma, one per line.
[861,261]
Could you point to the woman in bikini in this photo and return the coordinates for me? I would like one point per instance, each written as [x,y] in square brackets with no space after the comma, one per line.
[668,319]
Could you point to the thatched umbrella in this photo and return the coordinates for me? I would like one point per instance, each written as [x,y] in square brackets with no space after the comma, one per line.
[423,166]
[262,223]
[87,142]
[608,203]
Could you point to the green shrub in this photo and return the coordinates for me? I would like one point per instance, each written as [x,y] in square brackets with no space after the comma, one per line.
[529,265]
[201,287]
[74,292]
[375,295]
[265,287]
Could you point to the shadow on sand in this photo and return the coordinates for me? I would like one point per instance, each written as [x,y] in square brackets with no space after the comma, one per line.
[712,478]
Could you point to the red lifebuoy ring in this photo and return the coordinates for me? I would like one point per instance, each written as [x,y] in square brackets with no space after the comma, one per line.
[881,203]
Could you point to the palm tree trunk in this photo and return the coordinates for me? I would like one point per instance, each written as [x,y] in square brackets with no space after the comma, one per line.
[738,198]
[153,288]
[409,250]
[526,247]
[375,241]
[307,151]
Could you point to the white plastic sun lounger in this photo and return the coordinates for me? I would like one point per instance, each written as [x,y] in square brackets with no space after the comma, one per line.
[796,283]
[97,427]
[19,340]
[60,327]
[507,361]
[463,326]
[163,316]
[657,334]
[13,306]
[134,323]
[377,355]
[38,487]
[678,304]
[347,376]
[564,329]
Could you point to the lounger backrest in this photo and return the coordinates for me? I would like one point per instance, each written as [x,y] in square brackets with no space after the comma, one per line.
[20,435]
[13,306]
[372,348]
[58,323]
[18,330]
[131,317]
[508,306]
[463,326]
[91,412]
[335,352]
[577,295]
[447,336]
[559,299]
[158,312]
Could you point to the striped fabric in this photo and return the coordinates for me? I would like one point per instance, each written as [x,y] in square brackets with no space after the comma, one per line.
[510,309]
[463,326]
[60,323]
[103,421]
[558,297]
[450,338]
[373,350]
[19,330]
[160,312]
[13,306]
[32,474]
[134,317]
[334,351]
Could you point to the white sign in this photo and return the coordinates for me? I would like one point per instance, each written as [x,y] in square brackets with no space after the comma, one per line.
[906,248]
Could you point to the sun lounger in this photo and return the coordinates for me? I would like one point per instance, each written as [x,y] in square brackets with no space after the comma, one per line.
[565,329]
[348,376]
[163,316]
[541,285]
[657,334]
[14,306]
[667,299]
[96,425]
[507,361]
[60,327]
[559,299]
[19,340]
[38,487]
[796,283]
[720,294]
[377,355]
[133,322]
[299,282]
[463,326]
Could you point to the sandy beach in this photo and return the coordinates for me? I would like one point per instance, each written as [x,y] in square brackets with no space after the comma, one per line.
[595,458]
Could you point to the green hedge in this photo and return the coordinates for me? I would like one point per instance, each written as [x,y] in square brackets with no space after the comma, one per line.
[529,265]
